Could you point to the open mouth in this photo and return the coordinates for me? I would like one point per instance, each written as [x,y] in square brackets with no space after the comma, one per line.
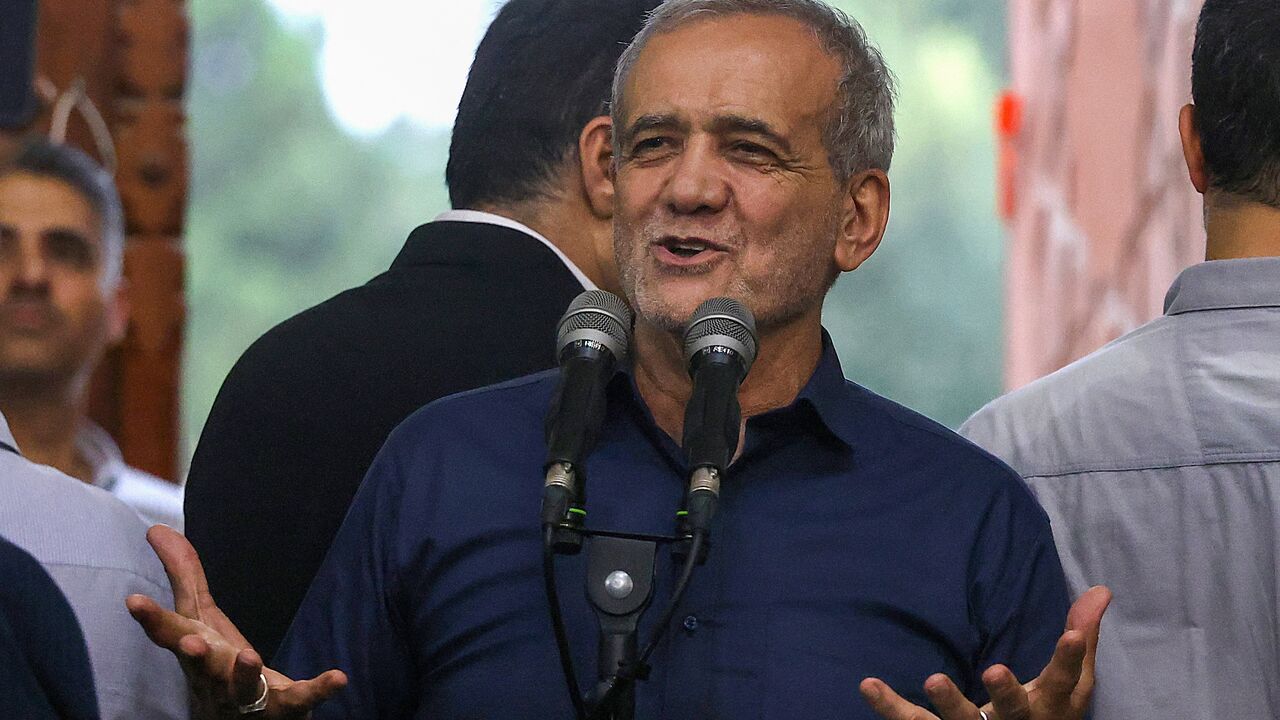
[688,249]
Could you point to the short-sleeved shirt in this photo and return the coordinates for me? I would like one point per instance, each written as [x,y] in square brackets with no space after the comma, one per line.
[95,549]
[854,538]
[1158,460]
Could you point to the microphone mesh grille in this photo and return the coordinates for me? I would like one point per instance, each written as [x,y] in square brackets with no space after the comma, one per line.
[721,326]
[724,317]
[596,310]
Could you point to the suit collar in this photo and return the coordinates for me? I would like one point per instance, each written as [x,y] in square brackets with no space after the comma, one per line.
[475,238]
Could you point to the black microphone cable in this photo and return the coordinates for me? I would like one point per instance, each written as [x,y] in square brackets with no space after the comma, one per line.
[591,339]
[720,345]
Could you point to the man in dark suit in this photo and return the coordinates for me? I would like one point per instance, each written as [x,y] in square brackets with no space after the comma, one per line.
[472,299]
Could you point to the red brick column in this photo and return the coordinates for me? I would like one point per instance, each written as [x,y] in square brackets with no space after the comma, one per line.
[1100,213]
[131,56]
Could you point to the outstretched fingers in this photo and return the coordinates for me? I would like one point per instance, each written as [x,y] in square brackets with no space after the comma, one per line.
[182,565]
[245,685]
[295,699]
[947,698]
[164,627]
[1009,697]
[1058,682]
[888,704]
[1086,616]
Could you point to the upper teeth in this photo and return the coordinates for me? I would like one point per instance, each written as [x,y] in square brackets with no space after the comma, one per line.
[697,247]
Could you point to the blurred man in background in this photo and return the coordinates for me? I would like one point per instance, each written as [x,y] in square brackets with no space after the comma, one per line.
[62,304]
[472,299]
[1158,457]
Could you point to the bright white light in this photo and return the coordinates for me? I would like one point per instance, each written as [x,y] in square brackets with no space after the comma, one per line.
[387,59]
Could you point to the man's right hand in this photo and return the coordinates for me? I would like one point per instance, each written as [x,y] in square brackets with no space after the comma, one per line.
[221,668]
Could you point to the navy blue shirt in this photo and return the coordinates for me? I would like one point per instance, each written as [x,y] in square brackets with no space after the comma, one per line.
[44,665]
[854,538]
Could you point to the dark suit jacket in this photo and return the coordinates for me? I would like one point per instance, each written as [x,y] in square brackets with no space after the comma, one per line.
[305,409]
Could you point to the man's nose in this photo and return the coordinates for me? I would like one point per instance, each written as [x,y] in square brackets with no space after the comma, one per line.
[697,183]
[32,267]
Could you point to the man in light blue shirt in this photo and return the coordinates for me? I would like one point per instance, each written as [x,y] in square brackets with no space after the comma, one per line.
[63,302]
[1158,456]
[95,549]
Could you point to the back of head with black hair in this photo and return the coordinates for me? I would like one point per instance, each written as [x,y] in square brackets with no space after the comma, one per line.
[1235,81]
[542,71]
[69,165]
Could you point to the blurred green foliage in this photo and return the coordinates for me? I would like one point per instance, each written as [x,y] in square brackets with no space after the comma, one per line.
[287,209]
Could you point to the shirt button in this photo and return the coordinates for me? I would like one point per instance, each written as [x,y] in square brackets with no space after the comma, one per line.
[691,623]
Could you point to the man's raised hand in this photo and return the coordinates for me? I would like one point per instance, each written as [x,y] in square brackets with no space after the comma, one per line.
[222,669]
[1061,692]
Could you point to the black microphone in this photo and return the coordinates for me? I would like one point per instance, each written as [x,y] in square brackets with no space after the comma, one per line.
[591,339]
[720,344]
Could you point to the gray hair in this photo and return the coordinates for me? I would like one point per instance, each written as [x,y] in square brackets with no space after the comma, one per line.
[859,136]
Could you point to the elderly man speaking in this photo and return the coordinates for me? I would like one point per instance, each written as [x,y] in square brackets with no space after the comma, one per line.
[858,545]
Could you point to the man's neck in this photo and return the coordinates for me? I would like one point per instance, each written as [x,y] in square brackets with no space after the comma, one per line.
[785,362]
[1241,229]
[45,426]
[572,228]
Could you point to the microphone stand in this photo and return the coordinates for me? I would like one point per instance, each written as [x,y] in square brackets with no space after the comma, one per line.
[620,581]
[620,573]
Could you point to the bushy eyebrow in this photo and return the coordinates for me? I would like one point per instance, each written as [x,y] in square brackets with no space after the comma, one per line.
[722,124]
[69,236]
[655,121]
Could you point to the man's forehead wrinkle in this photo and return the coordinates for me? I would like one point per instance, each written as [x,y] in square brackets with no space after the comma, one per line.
[750,66]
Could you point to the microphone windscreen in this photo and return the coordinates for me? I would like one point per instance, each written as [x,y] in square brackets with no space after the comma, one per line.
[598,316]
[722,322]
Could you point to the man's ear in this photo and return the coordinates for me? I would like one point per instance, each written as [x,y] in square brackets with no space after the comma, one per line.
[1192,151]
[117,310]
[863,220]
[595,152]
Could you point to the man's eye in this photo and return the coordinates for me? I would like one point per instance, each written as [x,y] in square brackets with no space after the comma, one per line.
[650,145]
[71,250]
[754,151]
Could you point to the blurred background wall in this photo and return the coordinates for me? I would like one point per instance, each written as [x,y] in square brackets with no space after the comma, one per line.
[1102,214]
[110,78]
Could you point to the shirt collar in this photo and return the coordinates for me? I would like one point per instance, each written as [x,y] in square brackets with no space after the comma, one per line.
[477,216]
[7,443]
[830,395]
[102,454]
[827,397]
[1225,285]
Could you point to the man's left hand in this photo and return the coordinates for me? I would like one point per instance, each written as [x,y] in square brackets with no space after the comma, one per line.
[1061,692]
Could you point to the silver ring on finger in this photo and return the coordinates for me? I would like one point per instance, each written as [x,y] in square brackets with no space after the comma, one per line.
[984,715]
[261,703]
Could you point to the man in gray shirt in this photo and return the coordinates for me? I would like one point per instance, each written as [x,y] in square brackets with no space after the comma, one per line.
[1158,456]
[95,549]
